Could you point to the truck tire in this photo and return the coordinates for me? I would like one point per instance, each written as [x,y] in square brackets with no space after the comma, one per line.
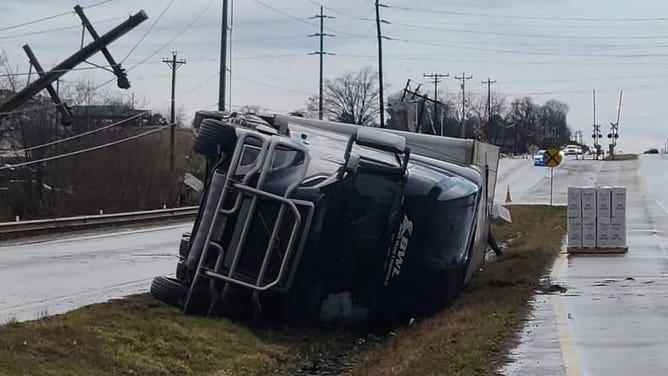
[169,290]
[212,136]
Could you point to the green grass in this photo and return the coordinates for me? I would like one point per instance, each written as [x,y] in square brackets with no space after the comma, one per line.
[140,336]
[473,336]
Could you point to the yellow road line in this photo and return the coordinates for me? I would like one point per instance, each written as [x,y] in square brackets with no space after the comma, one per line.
[565,341]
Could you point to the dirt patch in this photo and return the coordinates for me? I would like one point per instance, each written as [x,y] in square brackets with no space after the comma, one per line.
[622,157]
[140,336]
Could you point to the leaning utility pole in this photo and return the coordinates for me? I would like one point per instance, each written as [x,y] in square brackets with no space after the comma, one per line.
[173,64]
[380,64]
[436,79]
[66,65]
[321,52]
[463,78]
[223,61]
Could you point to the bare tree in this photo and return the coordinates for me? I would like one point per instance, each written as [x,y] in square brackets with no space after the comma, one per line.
[352,98]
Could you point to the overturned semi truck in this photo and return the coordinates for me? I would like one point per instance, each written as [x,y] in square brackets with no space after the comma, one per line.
[304,220]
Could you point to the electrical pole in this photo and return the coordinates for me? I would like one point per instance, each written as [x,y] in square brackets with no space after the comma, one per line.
[463,78]
[596,135]
[223,61]
[614,128]
[489,83]
[173,64]
[436,79]
[321,52]
[380,64]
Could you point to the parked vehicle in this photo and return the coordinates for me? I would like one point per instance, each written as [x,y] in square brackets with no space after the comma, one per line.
[572,150]
[304,220]
[539,158]
[651,151]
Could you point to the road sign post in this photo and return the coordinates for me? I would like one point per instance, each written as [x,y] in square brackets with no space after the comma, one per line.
[553,158]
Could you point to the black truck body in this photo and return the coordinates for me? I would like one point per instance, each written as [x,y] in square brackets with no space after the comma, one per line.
[307,221]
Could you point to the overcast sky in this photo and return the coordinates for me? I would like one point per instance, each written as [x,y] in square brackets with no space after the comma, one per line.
[559,49]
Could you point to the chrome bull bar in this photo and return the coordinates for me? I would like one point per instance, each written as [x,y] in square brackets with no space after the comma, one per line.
[246,192]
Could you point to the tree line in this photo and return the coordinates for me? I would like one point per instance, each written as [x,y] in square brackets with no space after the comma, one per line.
[516,124]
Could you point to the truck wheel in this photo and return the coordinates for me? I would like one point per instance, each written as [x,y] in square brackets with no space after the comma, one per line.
[212,135]
[169,290]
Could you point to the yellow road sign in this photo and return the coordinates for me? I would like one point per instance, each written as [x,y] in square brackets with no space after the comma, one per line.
[553,157]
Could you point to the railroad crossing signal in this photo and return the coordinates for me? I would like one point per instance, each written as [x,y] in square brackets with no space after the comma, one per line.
[553,157]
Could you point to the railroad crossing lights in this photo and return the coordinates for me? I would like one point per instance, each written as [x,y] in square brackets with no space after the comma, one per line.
[553,157]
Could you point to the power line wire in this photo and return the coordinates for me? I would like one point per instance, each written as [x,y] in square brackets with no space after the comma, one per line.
[164,45]
[547,53]
[77,27]
[80,135]
[271,86]
[286,14]
[169,4]
[82,151]
[525,35]
[341,13]
[520,17]
[51,17]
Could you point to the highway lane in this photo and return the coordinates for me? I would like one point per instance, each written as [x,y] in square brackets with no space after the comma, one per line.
[612,319]
[56,276]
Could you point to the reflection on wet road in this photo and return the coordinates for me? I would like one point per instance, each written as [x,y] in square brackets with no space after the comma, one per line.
[612,320]
[56,276]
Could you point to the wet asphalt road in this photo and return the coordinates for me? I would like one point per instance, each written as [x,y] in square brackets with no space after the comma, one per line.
[614,318]
[56,276]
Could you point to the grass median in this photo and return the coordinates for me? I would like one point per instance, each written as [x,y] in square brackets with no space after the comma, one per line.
[140,336]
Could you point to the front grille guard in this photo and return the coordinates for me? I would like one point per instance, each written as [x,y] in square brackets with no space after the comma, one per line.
[262,165]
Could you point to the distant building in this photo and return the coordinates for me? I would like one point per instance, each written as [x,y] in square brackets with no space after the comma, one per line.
[95,116]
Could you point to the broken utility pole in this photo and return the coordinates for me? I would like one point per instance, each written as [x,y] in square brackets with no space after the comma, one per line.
[122,77]
[173,64]
[63,110]
[65,66]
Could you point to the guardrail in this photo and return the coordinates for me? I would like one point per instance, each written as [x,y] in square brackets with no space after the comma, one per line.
[38,226]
